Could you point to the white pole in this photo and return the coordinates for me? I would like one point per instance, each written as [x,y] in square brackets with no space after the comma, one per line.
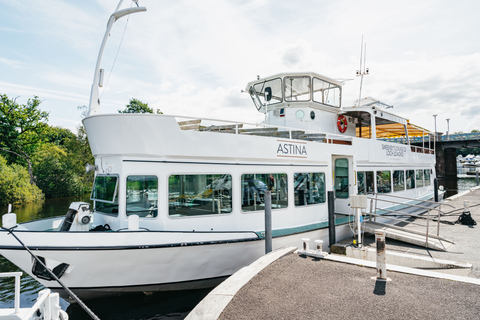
[381,254]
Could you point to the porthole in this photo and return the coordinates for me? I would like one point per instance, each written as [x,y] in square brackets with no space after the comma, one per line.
[300,114]
[312,115]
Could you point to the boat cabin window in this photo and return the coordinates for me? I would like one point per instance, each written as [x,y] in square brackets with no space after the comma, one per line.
[193,195]
[365,182]
[410,179]
[427,177]
[341,178]
[384,183]
[104,193]
[326,93]
[398,180]
[297,88]
[266,92]
[255,185]
[419,178]
[142,196]
[309,188]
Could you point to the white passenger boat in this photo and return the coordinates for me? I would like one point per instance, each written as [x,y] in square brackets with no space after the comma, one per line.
[179,201]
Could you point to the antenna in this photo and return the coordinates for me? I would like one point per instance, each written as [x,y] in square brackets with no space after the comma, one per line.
[361,72]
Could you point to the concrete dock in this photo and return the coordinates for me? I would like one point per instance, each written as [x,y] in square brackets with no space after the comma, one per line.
[286,285]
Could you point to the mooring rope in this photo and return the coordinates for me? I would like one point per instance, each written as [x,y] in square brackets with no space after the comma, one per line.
[80,302]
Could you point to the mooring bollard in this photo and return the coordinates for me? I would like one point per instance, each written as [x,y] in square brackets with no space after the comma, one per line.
[305,244]
[318,244]
[268,222]
[381,254]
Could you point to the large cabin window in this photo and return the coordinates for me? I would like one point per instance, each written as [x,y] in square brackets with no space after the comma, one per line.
[326,93]
[427,177]
[384,183]
[297,88]
[398,180]
[267,92]
[410,179]
[365,182]
[104,193]
[142,196]
[199,194]
[419,178]
[255,185]
[309,188]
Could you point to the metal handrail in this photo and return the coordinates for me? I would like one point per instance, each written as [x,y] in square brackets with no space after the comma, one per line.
[440,212]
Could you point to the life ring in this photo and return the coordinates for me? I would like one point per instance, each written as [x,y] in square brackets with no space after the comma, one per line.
[342,124]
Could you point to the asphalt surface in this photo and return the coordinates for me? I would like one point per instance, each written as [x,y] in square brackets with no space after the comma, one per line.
[299,287]
[295,287]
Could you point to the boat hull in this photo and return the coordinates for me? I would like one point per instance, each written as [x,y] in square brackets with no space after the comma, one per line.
[96,270]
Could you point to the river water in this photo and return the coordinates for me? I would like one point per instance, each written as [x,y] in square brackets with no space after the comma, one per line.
[170,305]
[156,306]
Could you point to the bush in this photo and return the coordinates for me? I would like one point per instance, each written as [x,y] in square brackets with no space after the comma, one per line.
[15,187]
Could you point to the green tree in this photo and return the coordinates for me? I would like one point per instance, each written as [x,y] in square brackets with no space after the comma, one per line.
[15,187]
[54,174]
[21,129]
[137,106]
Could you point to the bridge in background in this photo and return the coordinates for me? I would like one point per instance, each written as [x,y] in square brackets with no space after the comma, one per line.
[445,149]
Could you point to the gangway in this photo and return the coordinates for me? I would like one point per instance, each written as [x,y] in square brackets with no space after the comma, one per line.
[400,233]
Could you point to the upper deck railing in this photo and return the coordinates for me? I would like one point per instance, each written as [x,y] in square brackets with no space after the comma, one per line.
[261,129]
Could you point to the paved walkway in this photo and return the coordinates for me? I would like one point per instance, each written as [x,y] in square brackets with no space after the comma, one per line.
[284,285]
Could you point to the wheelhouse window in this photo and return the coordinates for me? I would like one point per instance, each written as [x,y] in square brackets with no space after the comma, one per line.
[104,193]
[309,188]
[326,93]
[269,92]
[419,178]
[341,178]
[427,177]
[297,88]
[365,182]
[410,179]
[142,196]
[255,185]
[194,195]
[384,183]
[398,180]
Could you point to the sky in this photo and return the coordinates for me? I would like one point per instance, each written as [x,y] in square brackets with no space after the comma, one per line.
[193,58]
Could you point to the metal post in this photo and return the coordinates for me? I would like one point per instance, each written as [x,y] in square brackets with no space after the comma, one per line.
[435,189]
[381,254]
[268,221]
[17,292]
[358,218]
[476,173]
[428,221]
[331,218]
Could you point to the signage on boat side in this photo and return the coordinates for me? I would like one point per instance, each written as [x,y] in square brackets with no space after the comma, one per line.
[291,149]
[394,151]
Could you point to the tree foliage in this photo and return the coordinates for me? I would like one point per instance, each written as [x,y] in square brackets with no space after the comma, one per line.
[53,172]
[15,186]
[137,106]
[21,130]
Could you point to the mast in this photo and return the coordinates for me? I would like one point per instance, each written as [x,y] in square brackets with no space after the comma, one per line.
[94,106]
[360,72]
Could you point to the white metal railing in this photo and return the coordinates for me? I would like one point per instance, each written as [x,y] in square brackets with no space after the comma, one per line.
[17,276]
[238,127]
[47,303]
[374,207]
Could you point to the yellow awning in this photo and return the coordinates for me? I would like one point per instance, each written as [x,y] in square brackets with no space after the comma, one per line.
[393,130]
